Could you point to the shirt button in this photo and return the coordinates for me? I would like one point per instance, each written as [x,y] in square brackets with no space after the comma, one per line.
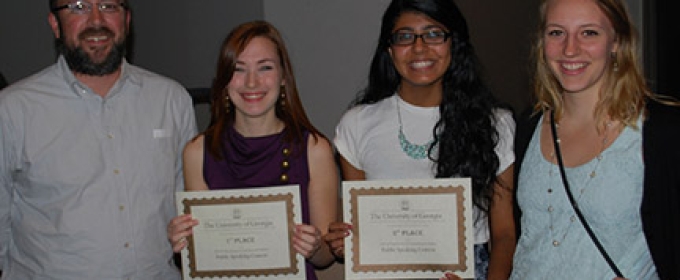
[116,171]
[121,207]
[127,245]
[110,136]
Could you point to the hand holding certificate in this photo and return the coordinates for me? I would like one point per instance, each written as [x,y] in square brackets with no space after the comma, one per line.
[408,229]
[242,233]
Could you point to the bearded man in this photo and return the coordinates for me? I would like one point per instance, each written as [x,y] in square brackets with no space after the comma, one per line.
[90,156]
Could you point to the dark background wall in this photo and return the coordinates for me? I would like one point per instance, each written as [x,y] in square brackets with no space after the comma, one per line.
[661,49]
[176,38]
[330,43]
[502,32]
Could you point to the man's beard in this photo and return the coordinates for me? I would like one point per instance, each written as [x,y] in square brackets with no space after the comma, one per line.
[80,62]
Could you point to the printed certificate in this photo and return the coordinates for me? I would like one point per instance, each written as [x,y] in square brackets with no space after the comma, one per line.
[408,229]
[242,234]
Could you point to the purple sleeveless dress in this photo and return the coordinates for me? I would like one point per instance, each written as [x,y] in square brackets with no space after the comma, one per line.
[251,162]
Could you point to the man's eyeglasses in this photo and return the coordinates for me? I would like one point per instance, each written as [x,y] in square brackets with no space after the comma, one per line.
[82,7]
[429,37]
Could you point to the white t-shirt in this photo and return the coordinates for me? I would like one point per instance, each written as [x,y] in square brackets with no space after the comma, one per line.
[367,137]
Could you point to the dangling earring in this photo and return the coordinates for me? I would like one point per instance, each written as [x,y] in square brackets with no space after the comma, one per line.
[282,98]
[615,63]
[227,105]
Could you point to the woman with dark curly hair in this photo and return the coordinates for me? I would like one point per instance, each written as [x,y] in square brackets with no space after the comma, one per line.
[426,113]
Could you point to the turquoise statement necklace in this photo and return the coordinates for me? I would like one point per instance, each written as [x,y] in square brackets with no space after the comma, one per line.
[414,151]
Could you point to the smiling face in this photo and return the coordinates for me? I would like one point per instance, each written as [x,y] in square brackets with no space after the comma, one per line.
[578,43]
[257,80]
[92,43]
[420,64]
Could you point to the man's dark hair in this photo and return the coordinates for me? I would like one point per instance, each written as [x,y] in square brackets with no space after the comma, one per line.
[3,84]
[52,4]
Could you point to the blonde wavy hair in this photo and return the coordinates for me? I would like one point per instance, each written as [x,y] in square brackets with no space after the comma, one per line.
[624,91]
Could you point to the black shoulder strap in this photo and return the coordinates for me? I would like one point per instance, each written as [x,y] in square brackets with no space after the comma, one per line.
[558,154]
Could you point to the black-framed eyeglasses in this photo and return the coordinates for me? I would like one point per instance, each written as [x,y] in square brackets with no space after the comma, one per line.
[82,7]
[402,38]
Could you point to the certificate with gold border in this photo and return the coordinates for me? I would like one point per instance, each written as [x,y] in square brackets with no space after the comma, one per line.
[408,229]
[242,234]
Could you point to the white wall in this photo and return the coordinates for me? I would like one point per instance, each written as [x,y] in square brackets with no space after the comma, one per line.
[331,43]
